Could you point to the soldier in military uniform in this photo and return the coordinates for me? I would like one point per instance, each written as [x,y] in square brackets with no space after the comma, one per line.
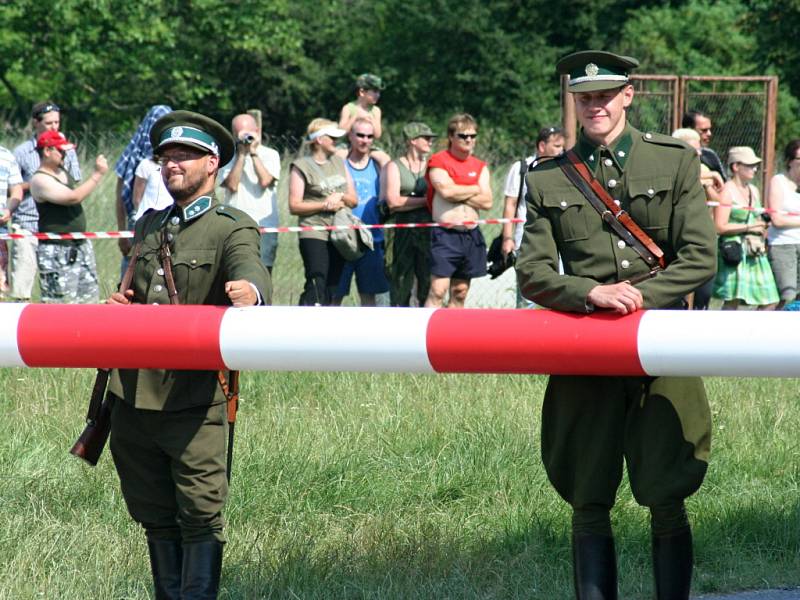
[659,426]
[169,427]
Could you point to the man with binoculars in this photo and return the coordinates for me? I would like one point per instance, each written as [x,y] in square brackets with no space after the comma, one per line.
[250,182]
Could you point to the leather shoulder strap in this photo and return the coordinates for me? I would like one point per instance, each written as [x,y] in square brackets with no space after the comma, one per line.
[619,220]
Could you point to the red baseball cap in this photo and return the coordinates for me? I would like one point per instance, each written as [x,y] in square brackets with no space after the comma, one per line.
[53,139]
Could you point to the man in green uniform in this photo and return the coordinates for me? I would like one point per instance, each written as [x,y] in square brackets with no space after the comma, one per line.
[168,428]
[659,426]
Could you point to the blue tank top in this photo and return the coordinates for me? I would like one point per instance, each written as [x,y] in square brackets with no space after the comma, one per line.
[367,184]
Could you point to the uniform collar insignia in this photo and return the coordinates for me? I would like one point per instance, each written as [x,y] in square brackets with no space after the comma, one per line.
[620,149]
[196,208]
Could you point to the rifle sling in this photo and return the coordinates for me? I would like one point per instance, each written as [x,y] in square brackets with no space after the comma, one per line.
[231,392]
[619,220]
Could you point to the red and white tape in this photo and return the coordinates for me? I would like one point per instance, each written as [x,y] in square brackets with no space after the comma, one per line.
[406,340]
[103,235]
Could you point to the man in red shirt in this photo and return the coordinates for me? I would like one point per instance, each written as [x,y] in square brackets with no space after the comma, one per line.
[459,186]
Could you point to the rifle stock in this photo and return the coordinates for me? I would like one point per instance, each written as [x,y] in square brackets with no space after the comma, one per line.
[92,440]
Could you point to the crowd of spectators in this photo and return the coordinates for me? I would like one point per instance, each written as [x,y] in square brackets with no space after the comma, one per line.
[341,166]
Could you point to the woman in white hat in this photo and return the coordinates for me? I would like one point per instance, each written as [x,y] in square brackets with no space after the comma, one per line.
[319,185]
[741,229]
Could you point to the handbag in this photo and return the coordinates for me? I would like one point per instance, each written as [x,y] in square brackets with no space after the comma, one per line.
[730,251]
[496,263]
[350,238]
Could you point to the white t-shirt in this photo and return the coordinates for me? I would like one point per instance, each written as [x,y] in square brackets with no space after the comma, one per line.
[512,189]
[155,192]
[261,204]
[791,203]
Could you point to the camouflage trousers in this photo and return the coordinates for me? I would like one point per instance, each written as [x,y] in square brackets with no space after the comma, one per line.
[67,272]
[407,257]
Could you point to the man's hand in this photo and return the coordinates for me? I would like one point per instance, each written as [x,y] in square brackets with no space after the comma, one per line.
[620,297]
[120,298]
[241,293]
[247,147]
[508,246]
[101,164]
[125,245]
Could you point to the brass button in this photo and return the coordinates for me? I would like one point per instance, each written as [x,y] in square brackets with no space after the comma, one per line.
[650,192]
[160,271]
[612,183]
[563,204]
[608,162]
[175,220]
[621,244]
[625,264]
[193,261]
[158,288]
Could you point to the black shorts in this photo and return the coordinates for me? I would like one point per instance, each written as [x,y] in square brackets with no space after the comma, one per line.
[458,254]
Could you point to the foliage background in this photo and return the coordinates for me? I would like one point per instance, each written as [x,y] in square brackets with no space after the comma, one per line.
[107,61]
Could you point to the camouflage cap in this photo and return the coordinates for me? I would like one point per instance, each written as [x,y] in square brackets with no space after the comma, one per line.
[595,70]
[368,81]
[415,129]
[193,129]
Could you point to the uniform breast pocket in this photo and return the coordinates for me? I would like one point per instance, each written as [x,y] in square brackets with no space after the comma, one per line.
[194,271]
[651,202]
[568,213]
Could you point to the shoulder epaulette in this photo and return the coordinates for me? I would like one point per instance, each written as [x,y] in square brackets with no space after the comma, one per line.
[662,140]
[226,210]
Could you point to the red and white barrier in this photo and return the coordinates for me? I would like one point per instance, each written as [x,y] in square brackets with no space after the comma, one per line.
[400,340]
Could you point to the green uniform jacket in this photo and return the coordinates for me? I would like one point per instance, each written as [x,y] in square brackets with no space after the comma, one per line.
[210,245]
[656,178]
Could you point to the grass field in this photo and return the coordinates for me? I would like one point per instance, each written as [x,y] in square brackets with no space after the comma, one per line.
[383,486]
[388,486]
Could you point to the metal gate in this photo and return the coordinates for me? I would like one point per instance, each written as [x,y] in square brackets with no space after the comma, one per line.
[742,110]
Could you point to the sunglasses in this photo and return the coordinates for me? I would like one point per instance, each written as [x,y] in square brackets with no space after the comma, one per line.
[467,136]
[365,136]
[46,109]
[178,157]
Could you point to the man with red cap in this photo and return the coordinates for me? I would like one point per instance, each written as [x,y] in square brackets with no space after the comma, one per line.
[67,269]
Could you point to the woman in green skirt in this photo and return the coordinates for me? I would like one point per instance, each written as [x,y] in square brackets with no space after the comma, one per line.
[741,227]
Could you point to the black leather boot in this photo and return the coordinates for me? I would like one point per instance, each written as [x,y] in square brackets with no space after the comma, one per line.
[672,565]
[166,563]
[202,564]
[595,567]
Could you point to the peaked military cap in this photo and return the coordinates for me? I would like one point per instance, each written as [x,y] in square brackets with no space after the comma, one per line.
[595,70]
[193,129]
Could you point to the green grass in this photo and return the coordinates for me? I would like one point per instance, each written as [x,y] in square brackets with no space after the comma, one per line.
[382,486]
[388,486]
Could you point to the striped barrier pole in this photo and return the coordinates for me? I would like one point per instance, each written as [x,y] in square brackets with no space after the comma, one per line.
[407,340]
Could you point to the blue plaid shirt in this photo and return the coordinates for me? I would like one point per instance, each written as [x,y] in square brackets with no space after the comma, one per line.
[26,215]
[137,150]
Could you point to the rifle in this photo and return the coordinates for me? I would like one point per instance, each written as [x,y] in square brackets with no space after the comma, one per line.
[93,439]
[232,394]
